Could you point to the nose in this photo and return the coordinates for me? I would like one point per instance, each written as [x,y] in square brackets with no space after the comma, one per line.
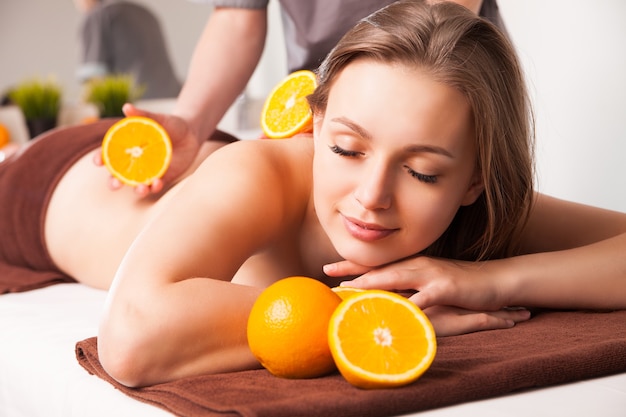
[374,190]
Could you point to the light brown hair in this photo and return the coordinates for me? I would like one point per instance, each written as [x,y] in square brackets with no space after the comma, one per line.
[468,53]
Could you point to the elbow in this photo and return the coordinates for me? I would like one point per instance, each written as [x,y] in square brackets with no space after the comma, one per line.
[122,360]
[120,366]
[127,354]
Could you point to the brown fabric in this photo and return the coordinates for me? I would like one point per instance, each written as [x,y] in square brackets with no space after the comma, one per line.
[551,348]
[27,180]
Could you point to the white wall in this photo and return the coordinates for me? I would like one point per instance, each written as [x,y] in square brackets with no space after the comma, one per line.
[573,51]
[574,54]
[40,38]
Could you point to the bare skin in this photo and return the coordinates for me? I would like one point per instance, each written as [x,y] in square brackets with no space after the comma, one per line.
[105,222]
[188,266]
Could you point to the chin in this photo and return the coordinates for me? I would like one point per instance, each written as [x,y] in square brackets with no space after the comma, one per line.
[368,257]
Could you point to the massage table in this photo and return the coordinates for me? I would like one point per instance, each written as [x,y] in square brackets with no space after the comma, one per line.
[40,374]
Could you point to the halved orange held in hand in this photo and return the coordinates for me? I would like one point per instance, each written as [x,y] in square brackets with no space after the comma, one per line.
[380,339]
[136,150]
[286,111]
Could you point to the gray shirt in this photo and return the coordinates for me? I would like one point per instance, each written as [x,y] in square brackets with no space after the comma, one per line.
[313,27]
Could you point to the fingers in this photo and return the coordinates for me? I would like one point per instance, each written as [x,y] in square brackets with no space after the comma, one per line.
[143,190]
[470,324]
[387,279]
[451,321]
[517,315]
[425,299]
[97,157]
[344,268]
[130,110]
[156,186]
[115,184]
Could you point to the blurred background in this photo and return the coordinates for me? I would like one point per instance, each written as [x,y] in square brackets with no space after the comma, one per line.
[573,52]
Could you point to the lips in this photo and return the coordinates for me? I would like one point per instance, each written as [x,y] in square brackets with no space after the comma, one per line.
[367,232]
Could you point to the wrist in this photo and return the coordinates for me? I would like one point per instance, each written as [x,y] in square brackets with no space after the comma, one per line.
[513,283]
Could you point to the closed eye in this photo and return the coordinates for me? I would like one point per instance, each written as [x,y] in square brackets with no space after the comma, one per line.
[428,179]
[343,152]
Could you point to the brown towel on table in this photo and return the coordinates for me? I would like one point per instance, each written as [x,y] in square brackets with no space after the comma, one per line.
[551,348]
[16,279]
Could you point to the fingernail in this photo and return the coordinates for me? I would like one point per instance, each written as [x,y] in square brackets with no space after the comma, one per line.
[329,268]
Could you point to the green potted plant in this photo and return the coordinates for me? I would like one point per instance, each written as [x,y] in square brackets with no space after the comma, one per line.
[40,102]
[109,93]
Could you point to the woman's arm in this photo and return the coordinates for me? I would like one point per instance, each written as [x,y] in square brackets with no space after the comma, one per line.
[574,258]
[163,319]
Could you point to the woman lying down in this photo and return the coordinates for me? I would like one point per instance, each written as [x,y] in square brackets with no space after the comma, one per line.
[418,176]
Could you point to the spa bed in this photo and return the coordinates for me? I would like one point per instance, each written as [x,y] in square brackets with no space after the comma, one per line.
[41,376]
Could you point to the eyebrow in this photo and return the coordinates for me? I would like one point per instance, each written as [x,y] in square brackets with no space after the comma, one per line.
[359,130]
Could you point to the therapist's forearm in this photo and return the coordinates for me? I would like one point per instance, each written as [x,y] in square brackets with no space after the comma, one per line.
[223,61]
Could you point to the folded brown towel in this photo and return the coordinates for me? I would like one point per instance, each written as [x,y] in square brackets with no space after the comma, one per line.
[551,348]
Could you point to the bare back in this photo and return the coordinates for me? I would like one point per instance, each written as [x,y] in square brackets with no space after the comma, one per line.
[89,227]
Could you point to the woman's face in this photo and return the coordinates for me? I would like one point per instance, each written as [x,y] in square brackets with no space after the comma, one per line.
[394,160]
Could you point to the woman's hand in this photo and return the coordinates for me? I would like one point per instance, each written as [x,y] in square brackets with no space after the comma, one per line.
[452,321]
[459,297]
[469,285]
[185,146]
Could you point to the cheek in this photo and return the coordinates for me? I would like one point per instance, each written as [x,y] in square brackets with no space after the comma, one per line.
[427,216]
[327,189]
[321,191]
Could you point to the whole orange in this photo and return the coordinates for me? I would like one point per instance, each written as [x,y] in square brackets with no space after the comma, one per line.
[5,136]
[288,328]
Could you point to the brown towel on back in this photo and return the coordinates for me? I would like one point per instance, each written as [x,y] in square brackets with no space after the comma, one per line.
[551,348]
[27,180]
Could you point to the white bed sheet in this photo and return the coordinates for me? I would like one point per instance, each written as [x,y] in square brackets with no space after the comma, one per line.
[39,374]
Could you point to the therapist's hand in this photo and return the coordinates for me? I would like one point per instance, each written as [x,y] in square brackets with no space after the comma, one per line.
[185,146]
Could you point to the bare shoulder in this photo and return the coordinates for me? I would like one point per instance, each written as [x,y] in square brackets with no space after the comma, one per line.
[263,162]
[272,175]
[244,199]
